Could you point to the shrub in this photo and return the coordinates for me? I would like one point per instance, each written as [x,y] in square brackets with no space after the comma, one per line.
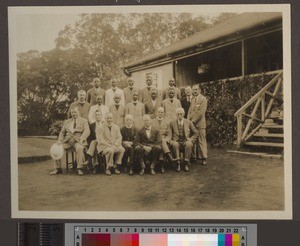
[55,128]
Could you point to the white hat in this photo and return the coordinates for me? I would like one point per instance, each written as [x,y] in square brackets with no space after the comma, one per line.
[57,151]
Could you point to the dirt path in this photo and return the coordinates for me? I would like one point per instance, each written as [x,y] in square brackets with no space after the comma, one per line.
[228,182]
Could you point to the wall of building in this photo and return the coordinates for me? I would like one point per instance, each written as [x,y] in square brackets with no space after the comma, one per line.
[160,76]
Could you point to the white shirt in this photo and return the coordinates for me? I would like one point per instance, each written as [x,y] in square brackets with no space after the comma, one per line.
[180,122]
[148,131]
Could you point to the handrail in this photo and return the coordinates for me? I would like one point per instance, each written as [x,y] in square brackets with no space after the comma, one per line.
[258,94]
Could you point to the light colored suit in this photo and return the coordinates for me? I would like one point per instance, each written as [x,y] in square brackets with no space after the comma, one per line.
[128,94]
[170,108]
[109,97]
[137,111]
[150,109]
[92,94]
[162,126]
[118,114]
[196,114]
[71,138]
[84,109]
[102,108]
[110,143]
[190,135]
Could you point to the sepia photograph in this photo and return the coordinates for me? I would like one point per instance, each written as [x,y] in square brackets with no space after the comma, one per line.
[151,112]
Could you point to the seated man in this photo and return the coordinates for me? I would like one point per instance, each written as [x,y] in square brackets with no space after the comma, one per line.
[73,134]
[128,133]
[162,125]
[183,134]
[170,104]
[148,144]
[109,141]
[152,104]
[92,152]
[118,111]
[136,109]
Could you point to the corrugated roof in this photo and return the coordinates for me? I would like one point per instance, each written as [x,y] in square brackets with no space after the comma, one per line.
[233,25]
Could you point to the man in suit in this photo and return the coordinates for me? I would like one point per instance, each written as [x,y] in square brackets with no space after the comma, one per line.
[172,85]
[152,104]
[182,134]
[145,93]
[81,104]
[186,101]
[98,107]
[148,144]
[73,134]
[162,125]
[110,93]
[91,155]
[128,133]
[197,115]
[136,109]
[170,104]
[109,141]
[118,111]
[93,92]
[130,89]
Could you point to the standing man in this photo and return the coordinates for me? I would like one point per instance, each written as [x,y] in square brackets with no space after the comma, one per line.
[129,90]
[136,109]
[73,134]
[110,93]
[109,141]
[170,105]
[172,84]
[182,134]
[197,115]
[98,107]
[128,133]
[152,104]
[186,101]
[118,111]
[81,104]
[145,93]
[148,144]
[96,90]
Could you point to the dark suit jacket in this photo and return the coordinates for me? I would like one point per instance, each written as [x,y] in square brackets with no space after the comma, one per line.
[128,134]
[154,139]
[189,130]
[93,132]
[91,95]
[186,105]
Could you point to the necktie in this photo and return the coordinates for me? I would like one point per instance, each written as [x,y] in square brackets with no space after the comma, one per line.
[74,124]
[117,106]
[114,90]
[134,103]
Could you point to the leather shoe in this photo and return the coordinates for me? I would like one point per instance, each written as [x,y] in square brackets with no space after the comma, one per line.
[142,171]
[80,173]
[162,169]
[152,171]
[56,171]
[178,167]
[186,168]
[130,171]
[204,162]
[107,172]
[117,171]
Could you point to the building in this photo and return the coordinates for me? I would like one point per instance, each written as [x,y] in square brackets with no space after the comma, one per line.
[248,43]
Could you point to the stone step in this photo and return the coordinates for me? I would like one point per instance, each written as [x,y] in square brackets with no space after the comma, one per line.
[268,144]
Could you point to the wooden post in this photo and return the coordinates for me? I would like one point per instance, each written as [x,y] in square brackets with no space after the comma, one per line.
[263,107]
[243,58]
[239,130]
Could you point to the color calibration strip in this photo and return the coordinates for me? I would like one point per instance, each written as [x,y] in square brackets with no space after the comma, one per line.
[107,239]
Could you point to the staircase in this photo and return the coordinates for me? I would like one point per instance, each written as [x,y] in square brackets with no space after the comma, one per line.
[259,125]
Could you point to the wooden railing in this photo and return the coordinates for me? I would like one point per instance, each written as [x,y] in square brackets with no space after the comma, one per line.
[258,100]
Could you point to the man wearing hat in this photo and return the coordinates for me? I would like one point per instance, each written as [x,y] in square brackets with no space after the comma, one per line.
[73,134]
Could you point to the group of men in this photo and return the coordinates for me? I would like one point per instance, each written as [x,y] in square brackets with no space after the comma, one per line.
[135,127]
